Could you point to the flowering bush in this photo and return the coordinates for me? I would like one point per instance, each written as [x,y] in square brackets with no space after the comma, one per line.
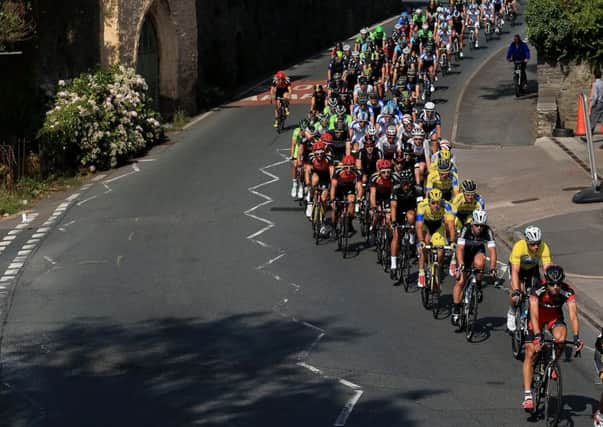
[101,118]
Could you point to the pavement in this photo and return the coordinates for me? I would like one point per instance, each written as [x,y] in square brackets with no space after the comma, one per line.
[185,289]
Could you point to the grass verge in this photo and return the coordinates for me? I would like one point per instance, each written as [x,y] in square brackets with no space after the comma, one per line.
[28,190]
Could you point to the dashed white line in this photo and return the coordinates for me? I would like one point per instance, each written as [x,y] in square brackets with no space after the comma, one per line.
[6,278]
[310,368]
[81,202]
[348,408]
[73,197]
[50,260]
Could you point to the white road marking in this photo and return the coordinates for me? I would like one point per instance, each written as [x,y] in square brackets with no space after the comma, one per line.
[310,368]
[50,260]
[147,160]
[270,261]
[98,178]
[118,177]
[11,272]
[5,243]
[22,225]
[38,235]
[15,265]
[20,258]
[13,232]
[86,187]
[131,236]
[119,259]
[135,167]
[28,246]
[32,241]
[197,120]
[9,238]
[348,408]
[63,205]
[43,230]
[73,197]
[349,384]
[24,252]
[6,278]
[81,202]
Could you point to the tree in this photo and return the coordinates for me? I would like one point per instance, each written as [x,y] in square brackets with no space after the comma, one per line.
[16,24]
[566,30]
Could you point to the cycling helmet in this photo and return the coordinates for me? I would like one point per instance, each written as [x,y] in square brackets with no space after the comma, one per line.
[303,124]
[417,132]
[391,131]
[387,110]
[346,48]
[435,195]
[418,11]
[444,166]
[322,117]
[379,29]
[340,110]
[406,175]
[348,160]
[318,88]
[480,217]
[445,154]
[318,146]
[362,116]
[533,234]
[362,99]
[429,106]
[326,137]
[364,31]
[363,80]
[383,164]
[371,130]
[444,144]
[554,274]
[468,186]
[281,75]
[444,26]
[332,102]
[406,119]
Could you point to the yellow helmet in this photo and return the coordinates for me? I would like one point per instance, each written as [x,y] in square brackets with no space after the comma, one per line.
[445,154]
[435,195]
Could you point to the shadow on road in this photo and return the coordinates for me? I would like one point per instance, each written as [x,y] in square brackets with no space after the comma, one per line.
[236,370]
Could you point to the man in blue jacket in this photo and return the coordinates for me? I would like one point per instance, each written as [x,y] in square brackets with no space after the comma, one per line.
[519,52]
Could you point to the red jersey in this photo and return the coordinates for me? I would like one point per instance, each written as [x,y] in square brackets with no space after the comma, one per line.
[345,176]
[550,308]
[321,164]
[384,186]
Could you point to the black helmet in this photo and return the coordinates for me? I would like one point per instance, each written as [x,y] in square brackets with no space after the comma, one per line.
[468,186]
[554,274]
[362,98]
[406,175]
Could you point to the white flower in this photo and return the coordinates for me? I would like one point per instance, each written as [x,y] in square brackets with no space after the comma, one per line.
[61,83]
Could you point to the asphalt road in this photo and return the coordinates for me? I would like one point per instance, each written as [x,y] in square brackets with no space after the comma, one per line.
[155,302]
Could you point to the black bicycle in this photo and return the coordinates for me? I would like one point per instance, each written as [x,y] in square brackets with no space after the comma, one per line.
[282,115]
[406,254]
[518,82]
[342,231]
[546,381]
[470,301]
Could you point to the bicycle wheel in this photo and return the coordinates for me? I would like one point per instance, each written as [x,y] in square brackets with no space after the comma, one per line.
[517,336]
[346,237]
[386,251]
[553,397]
[426,294]
[316,221]
[404,268]
[339,231]
[516,85]
[435,291]
[471,313]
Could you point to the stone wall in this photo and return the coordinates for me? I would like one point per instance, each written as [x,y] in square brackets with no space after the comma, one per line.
[563,84]
[240,41]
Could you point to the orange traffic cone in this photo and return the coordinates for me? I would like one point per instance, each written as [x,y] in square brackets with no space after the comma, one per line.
[580,126]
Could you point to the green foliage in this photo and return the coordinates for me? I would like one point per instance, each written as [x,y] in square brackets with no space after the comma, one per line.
[566,30]
[15,22]
[180,119]
[100,119]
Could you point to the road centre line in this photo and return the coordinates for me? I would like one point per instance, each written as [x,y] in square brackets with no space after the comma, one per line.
[348,408]
[80,203]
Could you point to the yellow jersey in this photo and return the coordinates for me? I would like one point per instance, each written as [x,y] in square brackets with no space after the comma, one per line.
[449,185]
[433,219]
[463,209]
[521,255]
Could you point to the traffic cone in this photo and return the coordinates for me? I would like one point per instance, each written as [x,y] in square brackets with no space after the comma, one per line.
[580,126]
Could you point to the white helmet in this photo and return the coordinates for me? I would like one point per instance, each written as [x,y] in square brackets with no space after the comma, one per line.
[480,217]
[429,106]
[417,132]
[533,234]
[364,31]
[371,130]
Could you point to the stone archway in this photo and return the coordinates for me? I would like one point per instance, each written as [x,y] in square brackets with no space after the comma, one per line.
[148,59]
[158,54]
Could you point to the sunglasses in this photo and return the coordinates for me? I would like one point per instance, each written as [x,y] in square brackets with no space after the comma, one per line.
[536,244]
[554,285]
[479,225]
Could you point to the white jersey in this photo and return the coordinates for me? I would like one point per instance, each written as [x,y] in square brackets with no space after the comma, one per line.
[386,148]
[358,132]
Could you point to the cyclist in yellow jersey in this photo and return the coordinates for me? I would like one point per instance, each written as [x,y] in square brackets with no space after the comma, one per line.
[434,221]
[526,256]
[444,179]
[465,203]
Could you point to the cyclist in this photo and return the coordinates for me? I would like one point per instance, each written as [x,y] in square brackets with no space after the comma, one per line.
[444,179]
[381,186]
[361,41]
[366,163]
[471,251]
[546,311]
[525,273]
[338,140]
[466,203]
[297,188]
[389,143]
[473,17]
[430,120]
[420,150]
[357,131]
[281,89]
[427,62]
[403,211]
[435,220]
[343,187]
[319,98]
[321,167]
[519,52]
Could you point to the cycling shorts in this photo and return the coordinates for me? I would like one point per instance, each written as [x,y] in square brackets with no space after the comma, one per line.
[344,189]
[438,236]
[280,92]
[324,178]
[529,337]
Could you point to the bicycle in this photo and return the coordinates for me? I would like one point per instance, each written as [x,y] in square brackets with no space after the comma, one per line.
[443,61]
[430,294]
[521,322]
[318,213]
[456,51]
[426,95]
[342,231]
[382,238]
[517,78]
[281,115]
[405,254]
[546,380]
[488,29]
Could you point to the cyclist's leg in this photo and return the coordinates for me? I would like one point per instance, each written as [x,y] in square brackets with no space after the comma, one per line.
[528,370]
[559,331]
[438,238]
